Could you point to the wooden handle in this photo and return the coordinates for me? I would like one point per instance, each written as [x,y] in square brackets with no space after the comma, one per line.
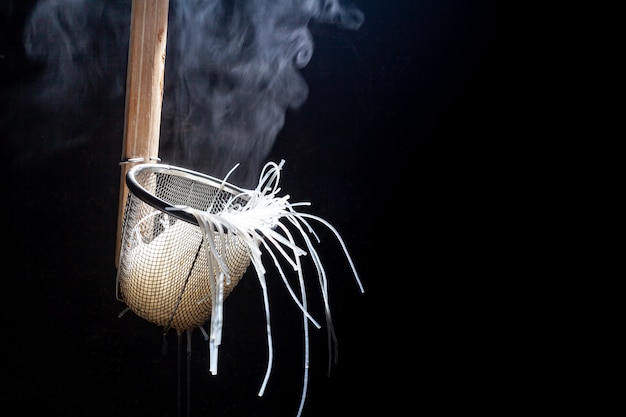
[144,93]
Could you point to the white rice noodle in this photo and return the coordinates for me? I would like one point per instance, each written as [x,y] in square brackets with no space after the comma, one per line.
[260,222]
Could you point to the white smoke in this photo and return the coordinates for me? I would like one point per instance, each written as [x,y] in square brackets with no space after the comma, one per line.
[232,71]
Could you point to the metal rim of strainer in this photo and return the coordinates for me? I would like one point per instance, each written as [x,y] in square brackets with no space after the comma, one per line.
[162,205]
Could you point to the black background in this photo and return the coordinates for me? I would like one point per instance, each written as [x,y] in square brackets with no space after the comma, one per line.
[417,73]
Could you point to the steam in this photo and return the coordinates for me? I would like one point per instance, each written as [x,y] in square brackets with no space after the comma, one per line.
[232,71]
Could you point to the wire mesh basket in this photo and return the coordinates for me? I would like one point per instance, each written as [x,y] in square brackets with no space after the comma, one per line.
[166,274]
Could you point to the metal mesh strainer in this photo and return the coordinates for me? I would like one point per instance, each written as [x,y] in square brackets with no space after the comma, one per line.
[164,271]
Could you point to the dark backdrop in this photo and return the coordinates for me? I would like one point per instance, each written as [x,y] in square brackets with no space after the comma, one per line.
[417,73]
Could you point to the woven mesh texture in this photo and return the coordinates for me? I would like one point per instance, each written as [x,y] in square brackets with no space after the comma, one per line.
[164,270]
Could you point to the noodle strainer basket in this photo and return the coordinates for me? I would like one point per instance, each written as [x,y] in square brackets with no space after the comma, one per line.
[166,275]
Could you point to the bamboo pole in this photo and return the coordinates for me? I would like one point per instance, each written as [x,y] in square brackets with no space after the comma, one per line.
[144,93]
